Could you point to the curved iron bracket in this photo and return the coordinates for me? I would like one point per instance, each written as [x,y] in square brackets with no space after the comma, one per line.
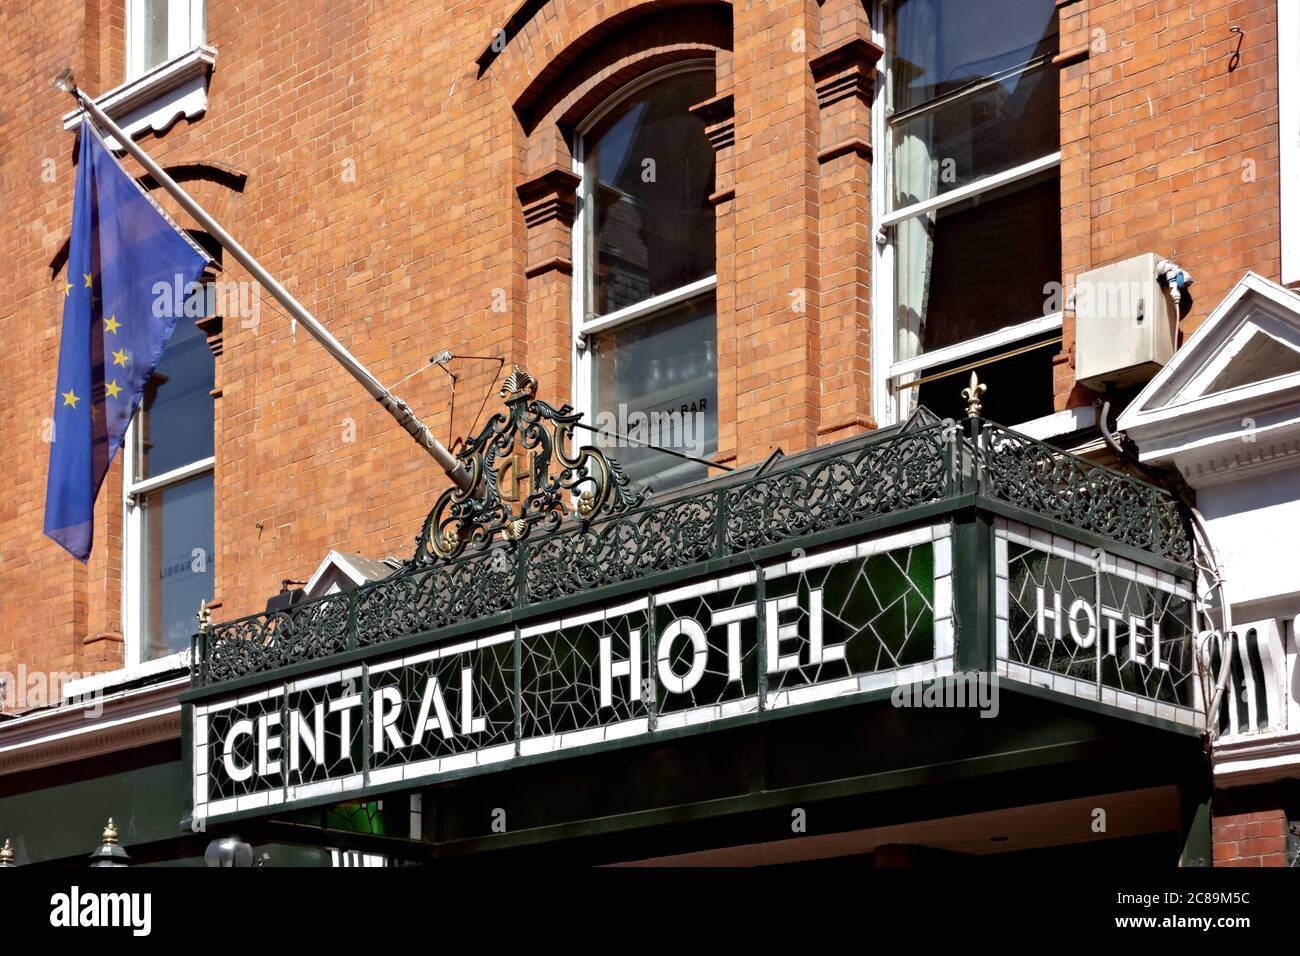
[472,518]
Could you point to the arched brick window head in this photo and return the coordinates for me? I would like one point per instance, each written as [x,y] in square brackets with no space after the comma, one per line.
[625,190]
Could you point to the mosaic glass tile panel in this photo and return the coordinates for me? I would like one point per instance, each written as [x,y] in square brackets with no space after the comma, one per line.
[441,703]
[1117,626]
[241,745]
[323,739]
[706,645]
[805,629]
[585,672]
[860,616]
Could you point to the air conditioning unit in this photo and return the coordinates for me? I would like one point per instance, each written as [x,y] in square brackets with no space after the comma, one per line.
[1127,320]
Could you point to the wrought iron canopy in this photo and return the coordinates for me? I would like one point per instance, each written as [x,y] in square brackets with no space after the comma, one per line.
[465,576]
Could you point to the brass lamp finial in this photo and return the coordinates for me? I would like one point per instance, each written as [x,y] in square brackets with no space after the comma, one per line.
[109,853]
[204,618]
[971,395]
[65,82]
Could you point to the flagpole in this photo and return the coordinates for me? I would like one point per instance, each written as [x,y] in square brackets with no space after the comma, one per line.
[395,407]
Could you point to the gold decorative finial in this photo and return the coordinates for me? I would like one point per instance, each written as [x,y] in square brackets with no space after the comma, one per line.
[449,538]
[204,618]
[971,395]
[518,383]
[109,837]
[7,854]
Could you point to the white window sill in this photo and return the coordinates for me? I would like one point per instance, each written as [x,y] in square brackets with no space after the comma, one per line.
[157,99]
[643,308]
[180,661]
[1010,335]
[1059,423]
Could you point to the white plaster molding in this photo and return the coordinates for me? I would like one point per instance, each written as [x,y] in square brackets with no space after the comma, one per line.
[129,718]
[158,98]
[180,661]
[1256,759]
[1059,423]
[1178,419]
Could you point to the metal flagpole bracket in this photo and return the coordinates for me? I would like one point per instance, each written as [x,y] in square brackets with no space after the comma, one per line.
[398,409]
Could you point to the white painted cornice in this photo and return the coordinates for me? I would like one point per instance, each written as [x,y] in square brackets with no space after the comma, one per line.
[129,718]
[1257,759]
[157,99]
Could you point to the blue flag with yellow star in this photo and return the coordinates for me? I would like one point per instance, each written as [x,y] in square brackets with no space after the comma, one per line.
[125,259]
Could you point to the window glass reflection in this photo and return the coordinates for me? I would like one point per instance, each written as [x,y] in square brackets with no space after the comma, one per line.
[175,426]
[657,381]
[977,266]
[177,562]
[938,46]
[154,31]
[964,105]
[649,175]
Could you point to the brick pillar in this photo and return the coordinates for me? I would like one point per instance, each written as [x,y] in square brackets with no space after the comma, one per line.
[844,78]
[549,200]
[775,258]
[719,117]
[1076,199]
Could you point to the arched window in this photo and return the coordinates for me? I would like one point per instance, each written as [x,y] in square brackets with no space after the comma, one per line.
[645,320]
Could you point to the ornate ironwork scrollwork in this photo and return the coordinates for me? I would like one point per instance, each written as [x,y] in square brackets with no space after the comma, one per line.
[471,519]
[1046,481]
[927,460]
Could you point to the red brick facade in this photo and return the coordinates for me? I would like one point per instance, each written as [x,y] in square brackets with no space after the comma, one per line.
[1164,148]
[1251,839]
[406,179]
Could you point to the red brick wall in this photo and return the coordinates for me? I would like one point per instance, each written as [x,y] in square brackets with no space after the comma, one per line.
[384,156]
[400,259]
[1250,839]
[1166,150]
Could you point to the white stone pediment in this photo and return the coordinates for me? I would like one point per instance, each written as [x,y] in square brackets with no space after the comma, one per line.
[1230,397]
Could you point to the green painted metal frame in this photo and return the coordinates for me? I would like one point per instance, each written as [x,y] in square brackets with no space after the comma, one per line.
[879,697]
[1020,768]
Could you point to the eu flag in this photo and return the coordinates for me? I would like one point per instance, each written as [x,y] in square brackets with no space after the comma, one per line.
[125,259]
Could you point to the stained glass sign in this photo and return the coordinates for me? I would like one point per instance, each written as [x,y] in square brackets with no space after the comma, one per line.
[1085,623]
[833,623]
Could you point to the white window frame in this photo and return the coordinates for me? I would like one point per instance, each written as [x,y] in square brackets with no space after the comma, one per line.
[134,530]
[891,403]
[186,30]
[583,327]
